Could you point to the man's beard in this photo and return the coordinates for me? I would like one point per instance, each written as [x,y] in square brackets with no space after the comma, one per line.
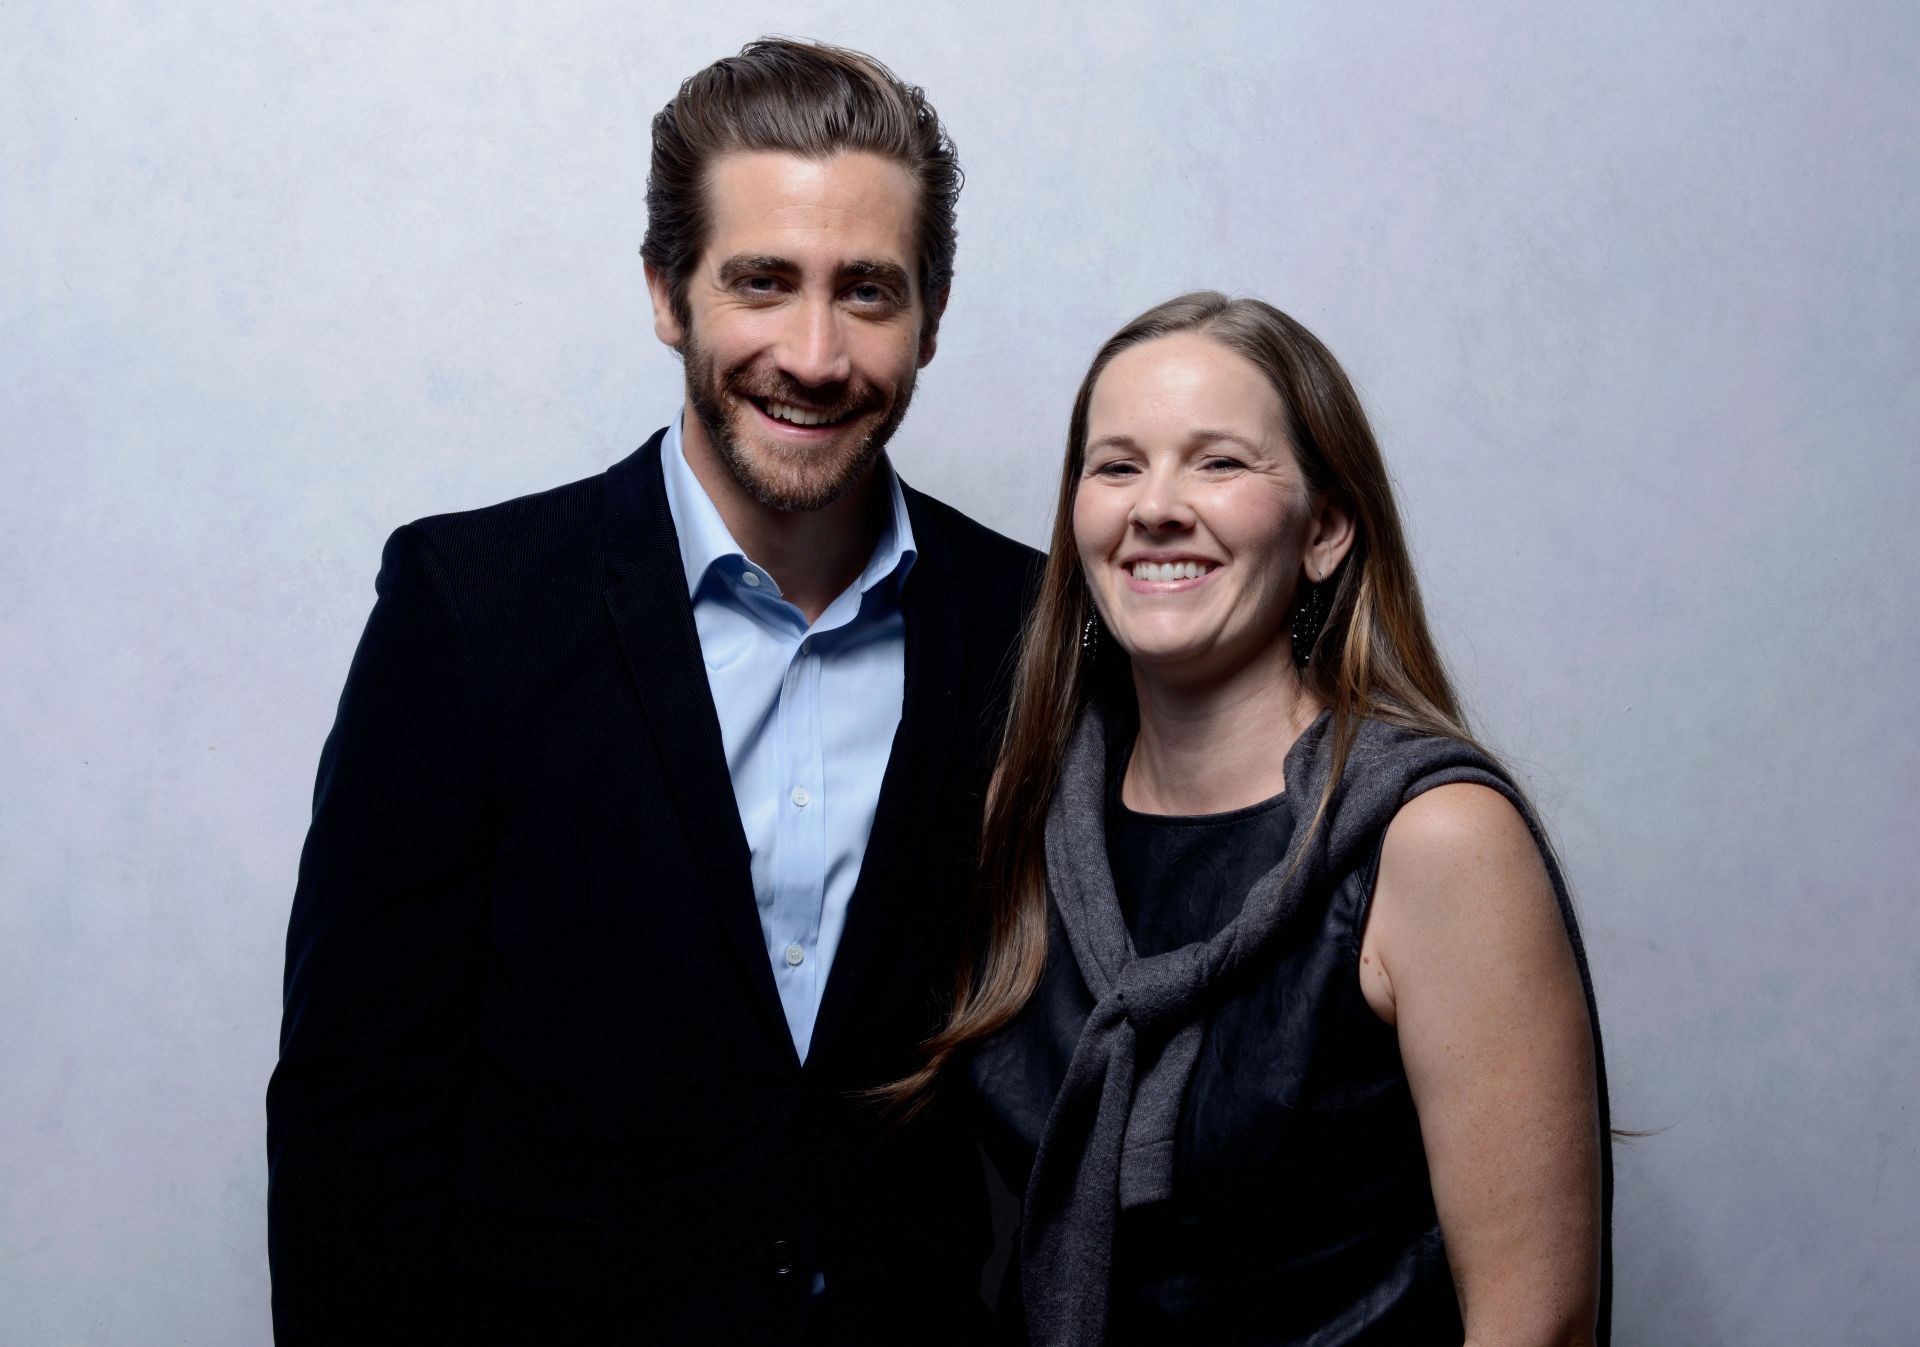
[788,477]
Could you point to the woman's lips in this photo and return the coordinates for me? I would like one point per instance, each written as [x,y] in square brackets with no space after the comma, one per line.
[1176,584]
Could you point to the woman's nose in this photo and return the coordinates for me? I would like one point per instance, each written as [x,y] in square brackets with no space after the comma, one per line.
[1161,504]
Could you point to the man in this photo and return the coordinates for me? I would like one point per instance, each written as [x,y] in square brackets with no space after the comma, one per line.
[640,842]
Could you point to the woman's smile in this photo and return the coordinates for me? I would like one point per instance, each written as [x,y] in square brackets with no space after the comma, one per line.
[1168,575]
[1191,516]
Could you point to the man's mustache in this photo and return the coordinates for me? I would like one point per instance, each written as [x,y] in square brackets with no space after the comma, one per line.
[835,402]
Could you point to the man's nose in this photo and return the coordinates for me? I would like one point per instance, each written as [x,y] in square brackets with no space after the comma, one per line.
[814,347]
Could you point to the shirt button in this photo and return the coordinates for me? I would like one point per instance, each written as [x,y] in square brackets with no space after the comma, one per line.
[795,955]
[806,647]
[800,797]
[751,579]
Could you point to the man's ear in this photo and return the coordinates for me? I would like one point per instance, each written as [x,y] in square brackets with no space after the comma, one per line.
[666,325]
[929,331]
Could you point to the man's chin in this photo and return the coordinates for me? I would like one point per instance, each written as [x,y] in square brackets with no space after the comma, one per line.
[799,478]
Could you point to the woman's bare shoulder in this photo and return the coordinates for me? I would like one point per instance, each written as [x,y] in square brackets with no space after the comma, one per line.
[1461,886]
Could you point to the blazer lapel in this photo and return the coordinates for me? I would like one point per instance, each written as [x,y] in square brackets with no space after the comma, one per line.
[915,776]
[647,597]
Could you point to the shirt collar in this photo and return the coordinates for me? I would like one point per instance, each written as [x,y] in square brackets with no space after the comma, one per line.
[706,542]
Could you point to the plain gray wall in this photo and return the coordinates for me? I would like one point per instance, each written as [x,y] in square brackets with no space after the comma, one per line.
[1631,291]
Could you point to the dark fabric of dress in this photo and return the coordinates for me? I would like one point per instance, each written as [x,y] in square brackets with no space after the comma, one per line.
[1301,1209]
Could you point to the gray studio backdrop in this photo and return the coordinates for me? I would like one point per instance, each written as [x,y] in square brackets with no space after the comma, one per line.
[1631,291]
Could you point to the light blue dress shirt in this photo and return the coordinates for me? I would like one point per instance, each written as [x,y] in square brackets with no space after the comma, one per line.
[807,715]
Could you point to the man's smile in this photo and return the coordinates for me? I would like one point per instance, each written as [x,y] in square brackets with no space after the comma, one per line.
[798,416]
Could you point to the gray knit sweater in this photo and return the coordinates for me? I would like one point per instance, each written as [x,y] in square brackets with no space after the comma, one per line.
[1108,1143]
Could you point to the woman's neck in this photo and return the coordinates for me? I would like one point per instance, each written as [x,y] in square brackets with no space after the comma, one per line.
[1205,750]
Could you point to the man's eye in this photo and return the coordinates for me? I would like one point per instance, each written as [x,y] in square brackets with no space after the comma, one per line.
[870,294]
[757,285]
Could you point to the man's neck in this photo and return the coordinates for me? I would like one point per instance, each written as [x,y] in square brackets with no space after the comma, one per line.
[813,555]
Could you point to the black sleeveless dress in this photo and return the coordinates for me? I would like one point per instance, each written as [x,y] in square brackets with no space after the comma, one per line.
[1302,1209]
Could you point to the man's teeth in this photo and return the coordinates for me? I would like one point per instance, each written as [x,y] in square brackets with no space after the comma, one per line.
[799,416]
[1170,570]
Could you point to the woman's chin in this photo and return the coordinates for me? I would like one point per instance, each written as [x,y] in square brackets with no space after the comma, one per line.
[1198,663]
[1178,665]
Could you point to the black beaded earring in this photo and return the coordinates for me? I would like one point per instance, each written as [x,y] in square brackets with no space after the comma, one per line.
[1308,618]
[1090,638]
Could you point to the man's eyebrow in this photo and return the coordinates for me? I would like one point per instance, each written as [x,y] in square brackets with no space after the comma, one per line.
[753,264]
[889,272]
[858,268]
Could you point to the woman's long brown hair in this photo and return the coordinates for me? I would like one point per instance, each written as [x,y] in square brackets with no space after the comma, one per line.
[1374,657]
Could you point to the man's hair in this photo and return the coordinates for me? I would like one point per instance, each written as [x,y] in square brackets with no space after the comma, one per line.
[804,98]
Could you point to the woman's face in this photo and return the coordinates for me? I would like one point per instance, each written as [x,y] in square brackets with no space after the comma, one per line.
[1192,519]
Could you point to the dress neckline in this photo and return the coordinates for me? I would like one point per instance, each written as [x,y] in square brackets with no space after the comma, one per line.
[1119,810]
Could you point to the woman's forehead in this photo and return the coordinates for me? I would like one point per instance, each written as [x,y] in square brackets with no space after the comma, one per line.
[1184,385]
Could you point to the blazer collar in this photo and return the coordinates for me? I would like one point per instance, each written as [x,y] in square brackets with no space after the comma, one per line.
[892,873]
[637,522]
[705,540]
[646,595]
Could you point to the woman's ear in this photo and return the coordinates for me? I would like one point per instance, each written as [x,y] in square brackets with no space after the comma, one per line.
[1330,538]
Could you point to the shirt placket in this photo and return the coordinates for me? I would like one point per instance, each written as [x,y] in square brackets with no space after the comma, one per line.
[801,833]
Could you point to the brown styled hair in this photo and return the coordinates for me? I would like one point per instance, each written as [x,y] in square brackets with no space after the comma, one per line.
[804,98]
[1374,657]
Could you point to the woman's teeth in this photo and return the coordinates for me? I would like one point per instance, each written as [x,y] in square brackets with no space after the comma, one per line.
[1170,570]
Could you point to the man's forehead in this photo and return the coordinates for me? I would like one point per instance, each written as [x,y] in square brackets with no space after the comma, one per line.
[853,201]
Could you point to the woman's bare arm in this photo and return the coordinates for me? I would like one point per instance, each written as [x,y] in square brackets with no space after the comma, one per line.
[1467,955]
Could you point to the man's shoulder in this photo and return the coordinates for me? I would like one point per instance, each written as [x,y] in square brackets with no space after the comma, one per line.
[970,543]
[544,534]
[562,516]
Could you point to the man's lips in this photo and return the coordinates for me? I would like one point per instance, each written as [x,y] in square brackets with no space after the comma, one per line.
[796,414]
[787,429]
[799,419]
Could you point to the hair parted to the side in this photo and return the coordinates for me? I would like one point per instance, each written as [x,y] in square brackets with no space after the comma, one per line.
[804,98]
[1373,659]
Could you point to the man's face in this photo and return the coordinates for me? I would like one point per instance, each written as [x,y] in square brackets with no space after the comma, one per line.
[805,320]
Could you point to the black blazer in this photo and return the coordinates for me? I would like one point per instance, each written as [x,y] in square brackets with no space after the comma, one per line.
[535,1084]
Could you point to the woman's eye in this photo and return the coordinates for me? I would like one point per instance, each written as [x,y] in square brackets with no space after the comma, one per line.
[1116,468]
[1218,464]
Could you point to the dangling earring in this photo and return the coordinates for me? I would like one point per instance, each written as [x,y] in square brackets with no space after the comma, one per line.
[1090,637]
[1308,618]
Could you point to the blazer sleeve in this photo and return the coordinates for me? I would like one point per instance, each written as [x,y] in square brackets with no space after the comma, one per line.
[382,954]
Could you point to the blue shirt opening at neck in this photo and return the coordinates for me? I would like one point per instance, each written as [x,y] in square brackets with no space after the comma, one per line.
[807,717]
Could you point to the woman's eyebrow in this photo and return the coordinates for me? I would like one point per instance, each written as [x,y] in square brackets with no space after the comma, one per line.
[1194,439]
[1201,437]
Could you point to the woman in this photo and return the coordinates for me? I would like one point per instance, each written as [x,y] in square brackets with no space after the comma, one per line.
[1278,1013]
